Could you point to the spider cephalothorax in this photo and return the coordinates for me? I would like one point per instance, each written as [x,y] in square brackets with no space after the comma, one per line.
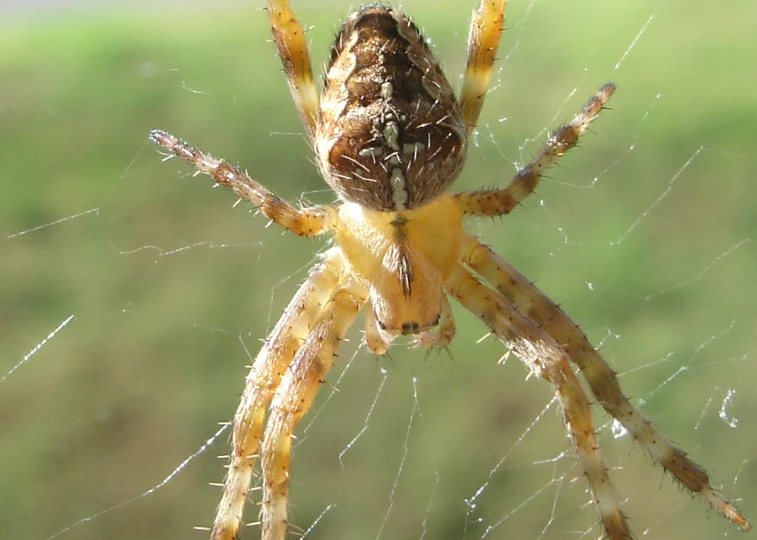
[390,139]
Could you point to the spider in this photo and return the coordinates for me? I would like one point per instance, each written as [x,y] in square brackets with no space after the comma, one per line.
[390,138]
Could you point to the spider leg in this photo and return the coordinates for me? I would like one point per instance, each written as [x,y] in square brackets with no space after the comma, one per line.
[264,378]
[302,222]
[294,397]
[546,358]
[289,37]
[497,202]
[483,41]
[532,303]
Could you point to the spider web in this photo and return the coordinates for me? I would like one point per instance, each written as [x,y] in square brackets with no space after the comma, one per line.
[133,297]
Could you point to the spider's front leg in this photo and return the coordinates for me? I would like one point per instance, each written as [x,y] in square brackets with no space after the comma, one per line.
[271,364]
[546,358]
[533,304]
[294,397]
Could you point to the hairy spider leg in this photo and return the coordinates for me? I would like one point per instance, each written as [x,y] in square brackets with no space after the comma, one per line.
[549,316]
[483,40]
[531,302]
[498,202]
[272,363]
[543,356]
[294,360]
[289,37]
[294,397]
[309,221]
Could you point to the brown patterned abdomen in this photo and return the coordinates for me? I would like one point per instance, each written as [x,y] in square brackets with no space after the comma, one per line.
[389,133]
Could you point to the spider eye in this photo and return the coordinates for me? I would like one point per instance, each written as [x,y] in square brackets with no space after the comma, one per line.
[411,328]
[389,134]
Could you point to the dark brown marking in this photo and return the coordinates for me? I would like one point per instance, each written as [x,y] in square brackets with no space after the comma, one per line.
[389,132]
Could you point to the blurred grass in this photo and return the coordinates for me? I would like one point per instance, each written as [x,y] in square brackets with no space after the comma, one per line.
[170,288]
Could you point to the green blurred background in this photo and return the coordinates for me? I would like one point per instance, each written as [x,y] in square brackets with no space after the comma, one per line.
[171,289]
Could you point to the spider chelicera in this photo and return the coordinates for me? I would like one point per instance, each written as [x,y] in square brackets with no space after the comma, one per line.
[390,138]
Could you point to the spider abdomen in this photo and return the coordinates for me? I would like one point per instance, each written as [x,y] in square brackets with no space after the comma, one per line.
[389,133]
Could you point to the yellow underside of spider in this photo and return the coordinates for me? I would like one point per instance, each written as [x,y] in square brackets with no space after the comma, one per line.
[403,260]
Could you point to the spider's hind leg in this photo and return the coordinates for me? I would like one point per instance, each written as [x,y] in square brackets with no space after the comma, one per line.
[483,41]
[289,37]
